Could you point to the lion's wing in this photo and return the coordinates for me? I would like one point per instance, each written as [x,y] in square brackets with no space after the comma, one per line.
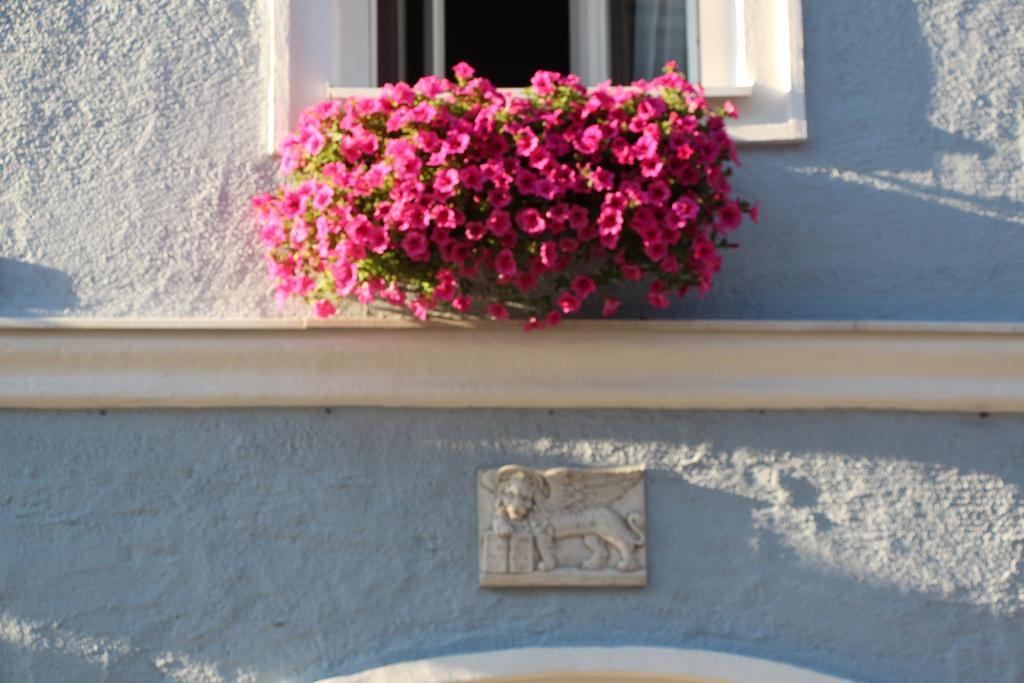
[573,490]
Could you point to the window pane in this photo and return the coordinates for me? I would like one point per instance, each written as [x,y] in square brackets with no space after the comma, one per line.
[508,40]
[403,40]
[645,35]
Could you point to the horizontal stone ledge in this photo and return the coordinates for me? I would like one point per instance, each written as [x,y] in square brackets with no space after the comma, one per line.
[89,363]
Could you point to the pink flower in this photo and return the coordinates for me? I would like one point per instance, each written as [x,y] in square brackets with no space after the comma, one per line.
[446,285]
[365,293]
[530,221]
[568,302]
[684,210]
[462,303]
[293,204]
[322,197]
[313,140]
[526,142]
[420,306]
[584,286]
[446,181]
[472,177]
[602,179]
[656,295]
[590,141]
[658,193]
[568,245]
[730,110]
[544,82]
[475,231]
[323,308]
[505,263]
[552,318]
[579,218]
[622,152]
[300,232]
[393,295]
[650,108]
[609,222]
[548,253]
[754,212]
[646,148]
[499,223]
[498,311]
[463,71]
[346,277]
[499,197]
[729,217]
[416,246]
[611,307]
[651,168]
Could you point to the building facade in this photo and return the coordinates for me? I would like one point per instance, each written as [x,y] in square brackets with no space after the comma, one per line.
[198,489]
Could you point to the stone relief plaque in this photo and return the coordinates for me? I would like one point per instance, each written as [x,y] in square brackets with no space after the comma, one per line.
[561,527]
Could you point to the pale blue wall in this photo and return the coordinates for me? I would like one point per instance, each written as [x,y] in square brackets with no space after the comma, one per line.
[286,545]
[132,141]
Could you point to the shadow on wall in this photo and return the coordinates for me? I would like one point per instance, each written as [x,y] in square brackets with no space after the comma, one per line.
[261,546]
[39,290]
[906,201]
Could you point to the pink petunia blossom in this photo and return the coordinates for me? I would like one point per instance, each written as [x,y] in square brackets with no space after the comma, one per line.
[530,221]
[729,217]
[499,223]
[568,302]
[463,71]
[505,263]
[323,309]
[656,295]
[416,246]
[498,311]
[584,286]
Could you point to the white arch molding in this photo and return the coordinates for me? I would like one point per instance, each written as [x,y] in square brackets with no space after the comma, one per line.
[590,665]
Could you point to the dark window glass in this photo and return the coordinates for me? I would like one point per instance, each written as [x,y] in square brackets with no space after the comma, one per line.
[403,41]
[645,35]
[508,40]
[504,40]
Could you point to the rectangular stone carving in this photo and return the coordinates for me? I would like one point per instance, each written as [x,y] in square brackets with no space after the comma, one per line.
[561,527]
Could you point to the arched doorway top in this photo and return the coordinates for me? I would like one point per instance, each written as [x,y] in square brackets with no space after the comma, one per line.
[590,664]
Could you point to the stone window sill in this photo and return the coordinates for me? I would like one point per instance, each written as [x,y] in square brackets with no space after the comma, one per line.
[89,363]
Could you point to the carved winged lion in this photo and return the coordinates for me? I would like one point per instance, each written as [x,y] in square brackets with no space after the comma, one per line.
[560,503]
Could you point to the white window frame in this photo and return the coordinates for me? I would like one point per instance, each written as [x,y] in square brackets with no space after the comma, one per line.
[749,51]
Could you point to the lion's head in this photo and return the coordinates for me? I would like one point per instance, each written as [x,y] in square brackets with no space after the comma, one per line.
[517,492]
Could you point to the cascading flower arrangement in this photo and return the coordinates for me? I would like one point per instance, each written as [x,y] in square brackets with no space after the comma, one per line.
[454,196]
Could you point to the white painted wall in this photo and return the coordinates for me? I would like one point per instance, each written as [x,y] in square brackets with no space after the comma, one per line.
[134,135]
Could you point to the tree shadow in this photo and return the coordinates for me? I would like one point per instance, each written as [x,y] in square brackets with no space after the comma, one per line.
[33,290]
[880,214]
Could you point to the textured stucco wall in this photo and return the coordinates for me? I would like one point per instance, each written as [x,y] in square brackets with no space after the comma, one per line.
[131,141]
[234,546]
